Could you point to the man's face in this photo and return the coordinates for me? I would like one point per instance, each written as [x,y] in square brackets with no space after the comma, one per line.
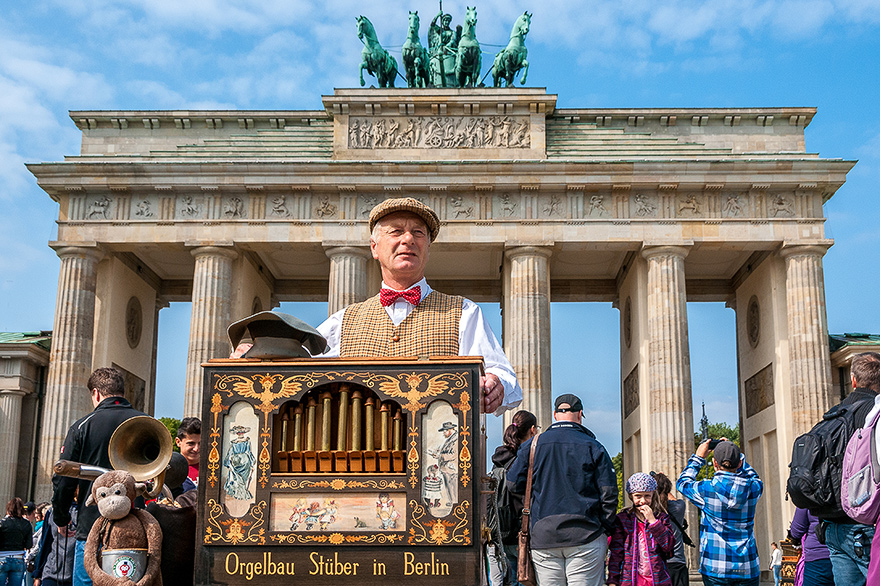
[189,447]
[400,244]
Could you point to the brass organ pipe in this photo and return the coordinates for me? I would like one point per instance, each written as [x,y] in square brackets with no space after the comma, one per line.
[356,421]
[343,417]
[297,428]
[310,429]
[369,415]
[398,431]
[384,413]
[326,399]
[285,419]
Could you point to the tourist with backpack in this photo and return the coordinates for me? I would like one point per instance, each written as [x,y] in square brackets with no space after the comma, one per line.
[505,508]
[816,473]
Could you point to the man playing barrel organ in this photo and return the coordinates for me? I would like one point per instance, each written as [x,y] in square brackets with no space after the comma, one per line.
[408,318]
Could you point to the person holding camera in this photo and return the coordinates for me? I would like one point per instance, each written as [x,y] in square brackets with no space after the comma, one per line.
[727,501]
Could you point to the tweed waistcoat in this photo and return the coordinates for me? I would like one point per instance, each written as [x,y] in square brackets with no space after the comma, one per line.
[430,330]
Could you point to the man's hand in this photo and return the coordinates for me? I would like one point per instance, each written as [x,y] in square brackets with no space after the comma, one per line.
[491,393]
[703,449]
[66,532]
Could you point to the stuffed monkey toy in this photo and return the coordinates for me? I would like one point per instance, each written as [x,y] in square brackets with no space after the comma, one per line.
[121,526]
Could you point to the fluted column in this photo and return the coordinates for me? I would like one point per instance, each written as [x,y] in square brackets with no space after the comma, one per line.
[70,360]
[809,362]
[10,431]
[211,308]
[348,276]
[527,326]
[669,366]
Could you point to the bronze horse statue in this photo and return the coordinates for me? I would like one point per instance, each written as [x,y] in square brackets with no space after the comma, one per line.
[415,56]
[468,59]
[376,60]
[513,58]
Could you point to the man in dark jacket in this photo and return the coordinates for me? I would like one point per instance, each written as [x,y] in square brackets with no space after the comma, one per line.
[849,543]
[86,442]
[574,499]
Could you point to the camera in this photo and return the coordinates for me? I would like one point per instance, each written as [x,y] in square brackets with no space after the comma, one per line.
[713,443]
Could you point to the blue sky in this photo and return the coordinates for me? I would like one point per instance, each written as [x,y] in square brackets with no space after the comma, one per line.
[166,54]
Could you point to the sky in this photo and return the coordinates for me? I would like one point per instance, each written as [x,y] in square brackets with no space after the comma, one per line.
[267,55]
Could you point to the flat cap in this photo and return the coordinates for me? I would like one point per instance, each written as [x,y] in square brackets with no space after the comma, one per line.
[407,204]
[277,335]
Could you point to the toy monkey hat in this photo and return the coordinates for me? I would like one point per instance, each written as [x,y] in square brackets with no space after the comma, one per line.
[407,204]
[277,335]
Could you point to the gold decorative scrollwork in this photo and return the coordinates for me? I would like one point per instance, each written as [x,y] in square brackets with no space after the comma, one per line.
[464,455]
[217,407]
[337,538]
[439,531]
[234,531]
[412,457]
[447,382]
[338,484]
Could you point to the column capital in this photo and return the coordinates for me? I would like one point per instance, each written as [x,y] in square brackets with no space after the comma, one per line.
[650,250]
[791,249]
[515,251]
[335,250]
[12,393]
[63,251]
[211,250]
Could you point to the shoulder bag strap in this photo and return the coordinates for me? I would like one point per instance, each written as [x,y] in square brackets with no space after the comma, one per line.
[528,496]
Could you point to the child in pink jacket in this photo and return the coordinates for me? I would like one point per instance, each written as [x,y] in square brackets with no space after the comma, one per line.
[642,538]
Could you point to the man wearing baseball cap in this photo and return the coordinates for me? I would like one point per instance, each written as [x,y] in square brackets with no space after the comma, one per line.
[574,498]
[409,318]
[727,501]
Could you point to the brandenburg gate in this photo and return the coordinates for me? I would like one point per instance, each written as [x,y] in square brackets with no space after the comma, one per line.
[237,211]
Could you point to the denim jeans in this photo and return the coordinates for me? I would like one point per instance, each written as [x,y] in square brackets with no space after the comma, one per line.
[80,576]
[818,573]
[11,571]
[711,581]
[842,539]
[579,565]
[777,570]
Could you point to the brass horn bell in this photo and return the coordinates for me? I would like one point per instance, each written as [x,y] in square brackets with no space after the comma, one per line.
[142,446]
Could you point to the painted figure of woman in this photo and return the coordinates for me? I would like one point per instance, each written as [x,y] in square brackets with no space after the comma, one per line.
[240,463]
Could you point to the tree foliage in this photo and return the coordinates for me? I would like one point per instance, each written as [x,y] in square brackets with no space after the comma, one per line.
[172,425]
[617,461]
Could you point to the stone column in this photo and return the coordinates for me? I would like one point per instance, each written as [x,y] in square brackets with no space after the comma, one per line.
[670,407]
[211,308]
[527,327]
[154,356]
[70,360]
[10,431]
[809,362]
[348,276]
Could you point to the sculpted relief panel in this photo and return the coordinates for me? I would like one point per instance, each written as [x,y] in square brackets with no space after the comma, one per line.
[483,204]
[434,132]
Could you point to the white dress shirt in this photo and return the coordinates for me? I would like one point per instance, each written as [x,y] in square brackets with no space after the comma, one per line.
[475,338]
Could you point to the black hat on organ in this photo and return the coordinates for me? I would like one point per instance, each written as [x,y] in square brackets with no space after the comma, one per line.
[277,335]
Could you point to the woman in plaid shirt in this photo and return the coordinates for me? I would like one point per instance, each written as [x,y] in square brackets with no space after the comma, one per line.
[728,553]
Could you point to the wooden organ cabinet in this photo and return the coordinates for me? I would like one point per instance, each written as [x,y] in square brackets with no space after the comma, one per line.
[341,471]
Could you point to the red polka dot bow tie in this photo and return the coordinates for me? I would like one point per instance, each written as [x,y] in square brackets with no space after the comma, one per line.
[389,296]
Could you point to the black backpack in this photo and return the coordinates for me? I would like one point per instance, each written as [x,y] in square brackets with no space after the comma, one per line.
[817,462]
[502,516]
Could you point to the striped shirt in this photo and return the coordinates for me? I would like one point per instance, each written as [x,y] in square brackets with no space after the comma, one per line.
[727,518]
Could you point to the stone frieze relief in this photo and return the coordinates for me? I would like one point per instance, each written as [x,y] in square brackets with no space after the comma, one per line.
[439,132]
